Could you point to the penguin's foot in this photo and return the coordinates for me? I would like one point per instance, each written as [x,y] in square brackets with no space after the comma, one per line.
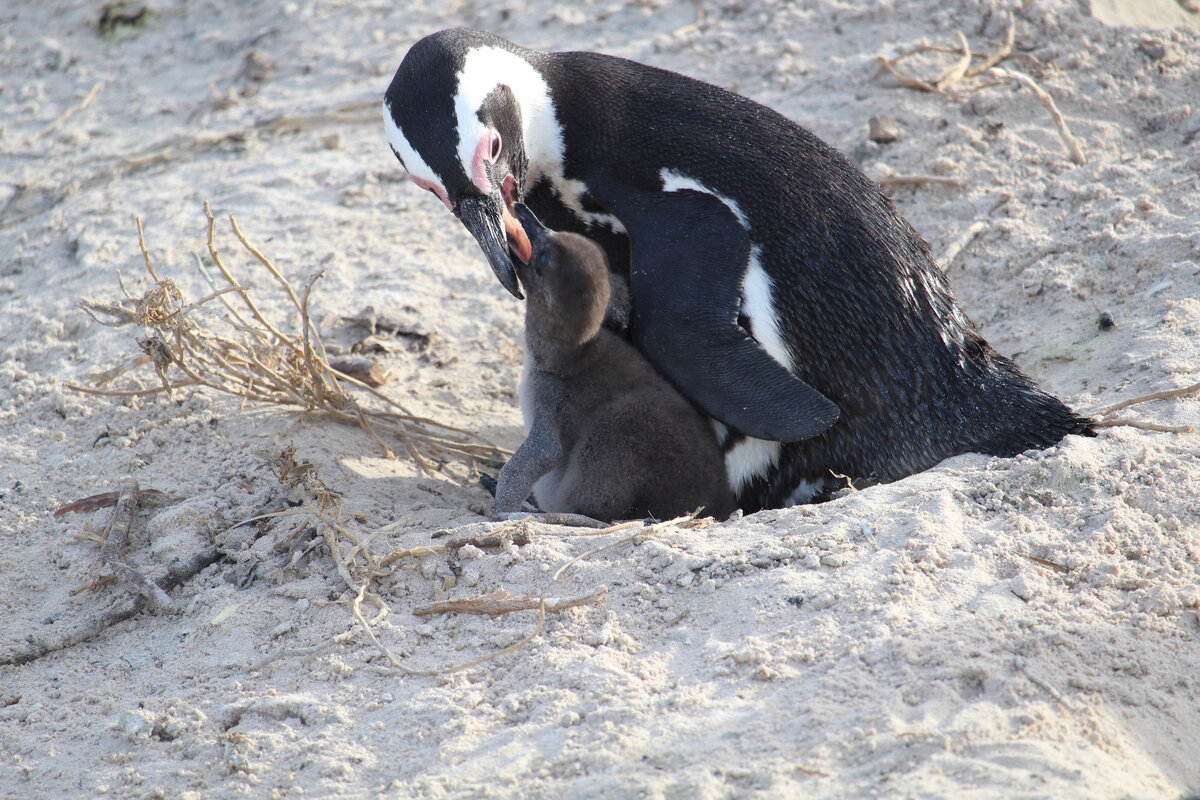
[553,518]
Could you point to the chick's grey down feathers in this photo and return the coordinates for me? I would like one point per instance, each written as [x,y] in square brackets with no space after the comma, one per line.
[609,437]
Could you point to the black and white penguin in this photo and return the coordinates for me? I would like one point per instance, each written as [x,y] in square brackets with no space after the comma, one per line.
[772,282]
[608,437]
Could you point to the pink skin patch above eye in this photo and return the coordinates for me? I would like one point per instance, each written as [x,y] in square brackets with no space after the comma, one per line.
[433,187]
[483,152]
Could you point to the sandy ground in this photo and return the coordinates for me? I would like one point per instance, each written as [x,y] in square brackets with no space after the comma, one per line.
[996,628]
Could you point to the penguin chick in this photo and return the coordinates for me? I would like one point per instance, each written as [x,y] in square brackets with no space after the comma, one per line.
[609,437]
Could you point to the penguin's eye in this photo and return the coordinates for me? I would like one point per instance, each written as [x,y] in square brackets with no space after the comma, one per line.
[495,147]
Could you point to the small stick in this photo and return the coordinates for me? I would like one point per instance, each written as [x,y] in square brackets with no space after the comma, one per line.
[266,262]
[955,72]
[501,602]
[291,652]
[906,81]
[120,315]
[960,244]
[647,531]
[1042,562]
[1121,422]
[1042,684]
[1003,52]
[496,538]
[137,218]
[216,257]
[537,631]
[919,180]
[74,387]
[70,112]
[1073,148]
[696,22]
[116,537]
[95,502]
[1146,398]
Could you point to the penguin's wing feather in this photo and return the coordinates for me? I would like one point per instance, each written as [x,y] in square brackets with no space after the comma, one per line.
[689,256]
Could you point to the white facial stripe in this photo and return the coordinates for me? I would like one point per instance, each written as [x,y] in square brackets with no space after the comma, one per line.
[483,70]
[749,458]
[413,162]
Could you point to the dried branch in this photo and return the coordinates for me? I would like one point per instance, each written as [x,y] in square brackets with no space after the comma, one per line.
[1146,398]
[1072,144]
[919,180]
[70,112]
[1121,422]
[501,602]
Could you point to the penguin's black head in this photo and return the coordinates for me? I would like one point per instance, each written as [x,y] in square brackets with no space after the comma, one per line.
[458,115]
[566,279]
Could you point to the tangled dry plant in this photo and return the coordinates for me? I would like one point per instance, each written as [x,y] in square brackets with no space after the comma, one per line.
[242,353]
[953,82]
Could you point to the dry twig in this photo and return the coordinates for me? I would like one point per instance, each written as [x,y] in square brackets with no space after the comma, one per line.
[1123,422]
[95,502]
[1060,122]
[960,244]
[116,538]
[919,180]
[686,521]
[70,112]
[1166,394]
[501,602]
[1053,566]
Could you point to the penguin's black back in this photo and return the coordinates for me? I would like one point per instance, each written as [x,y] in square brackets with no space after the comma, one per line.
[866,313]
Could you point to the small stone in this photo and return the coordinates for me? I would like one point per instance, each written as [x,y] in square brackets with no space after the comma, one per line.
[883,129]
[1021,588]
[1152,49]
[835,559]
[1106,321]
[822,601]
[332,142]
[134,725]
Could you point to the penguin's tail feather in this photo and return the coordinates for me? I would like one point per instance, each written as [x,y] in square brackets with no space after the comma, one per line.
[1023,416]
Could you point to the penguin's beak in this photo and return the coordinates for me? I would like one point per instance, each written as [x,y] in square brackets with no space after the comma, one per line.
[484,219]
[537,233]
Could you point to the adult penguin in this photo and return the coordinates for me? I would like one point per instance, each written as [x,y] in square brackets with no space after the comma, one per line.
[772,282]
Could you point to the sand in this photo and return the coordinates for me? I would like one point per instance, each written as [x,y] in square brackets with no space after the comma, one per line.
[997,628]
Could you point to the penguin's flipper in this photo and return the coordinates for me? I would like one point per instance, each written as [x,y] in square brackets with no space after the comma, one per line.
[689,257]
